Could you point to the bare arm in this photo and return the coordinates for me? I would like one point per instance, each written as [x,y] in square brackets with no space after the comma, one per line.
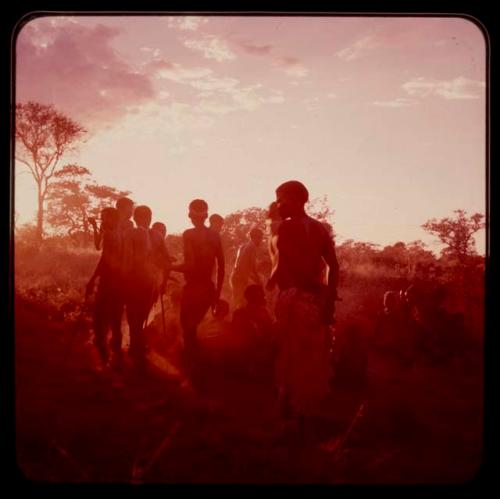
[330,258]
[187,265]
[89,289]
[97,234]
[254,273]
[221,264]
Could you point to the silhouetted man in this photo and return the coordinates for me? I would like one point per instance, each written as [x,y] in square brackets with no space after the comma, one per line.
[162,255]
[216,222]
[125,207]
[245,268]
[202,248]
[305,306]
[144,274]
[393,342]
[273,222]
[106,307]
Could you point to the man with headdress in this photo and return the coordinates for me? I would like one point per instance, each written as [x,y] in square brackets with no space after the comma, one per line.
[305,306]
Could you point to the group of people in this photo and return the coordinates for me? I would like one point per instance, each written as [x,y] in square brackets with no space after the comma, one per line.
[414,325]
[135,266]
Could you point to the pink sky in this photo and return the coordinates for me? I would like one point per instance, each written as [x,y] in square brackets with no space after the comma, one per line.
[386,116]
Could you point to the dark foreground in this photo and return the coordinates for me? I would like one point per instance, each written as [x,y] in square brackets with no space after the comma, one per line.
[78,424]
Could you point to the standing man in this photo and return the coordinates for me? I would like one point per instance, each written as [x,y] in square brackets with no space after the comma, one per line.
[305,306]
[245,268]
[202,249]
[124,210]
[145,271]
[216,222]
[106,302]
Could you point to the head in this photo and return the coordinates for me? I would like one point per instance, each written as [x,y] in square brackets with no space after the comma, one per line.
[142,216]
[109,218]
[161,228]
[411,294]
[216,222]
[198,212]
[254,295]
[256,236]
[125,207]
[390,301]
[273,212]
[291,198]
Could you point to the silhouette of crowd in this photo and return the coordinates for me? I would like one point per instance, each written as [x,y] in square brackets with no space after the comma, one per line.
[284,320]
[135,267]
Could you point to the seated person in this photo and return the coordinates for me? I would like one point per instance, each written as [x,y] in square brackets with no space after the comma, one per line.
[253,326]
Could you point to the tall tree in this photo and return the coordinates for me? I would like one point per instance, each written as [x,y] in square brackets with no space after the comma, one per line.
[456,233]
[43,135]
[73,197]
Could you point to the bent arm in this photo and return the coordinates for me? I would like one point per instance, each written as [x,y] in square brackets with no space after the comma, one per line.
[188,264]
[97,234]
[220,270]
[330,258]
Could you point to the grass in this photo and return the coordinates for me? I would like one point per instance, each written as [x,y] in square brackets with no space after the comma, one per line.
[79,425]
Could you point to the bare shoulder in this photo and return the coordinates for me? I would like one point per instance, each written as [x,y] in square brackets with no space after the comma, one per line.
[213,235]
[155,236]
[188,234]
[316,224]
[320,228]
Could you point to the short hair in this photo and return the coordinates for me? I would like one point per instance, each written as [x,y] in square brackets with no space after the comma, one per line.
[160,226]
[198,207]
[216,218]
[255,231]
[143,212]
[122,203]
[110,215]
[294,189]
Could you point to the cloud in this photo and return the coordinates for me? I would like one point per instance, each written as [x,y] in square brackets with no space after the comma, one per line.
[358,49]
[399,102]
[274,99]
[292,66]
[178,73]
[261,50]
[456,89]
[75,68]
[186,23]
[298,71]
[247,98]
[211,47]
[211,83]
[219,95]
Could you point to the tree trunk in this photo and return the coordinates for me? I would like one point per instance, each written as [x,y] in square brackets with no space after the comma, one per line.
[39,217]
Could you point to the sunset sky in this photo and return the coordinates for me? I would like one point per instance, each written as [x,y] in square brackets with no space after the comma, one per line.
[386,116]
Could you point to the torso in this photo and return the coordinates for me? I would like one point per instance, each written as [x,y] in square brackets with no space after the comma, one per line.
[201,246]
[301,244]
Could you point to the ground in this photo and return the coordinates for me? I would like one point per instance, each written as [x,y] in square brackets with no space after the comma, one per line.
[76,423]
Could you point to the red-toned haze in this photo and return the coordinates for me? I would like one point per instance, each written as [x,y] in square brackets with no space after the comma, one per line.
[386,116]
